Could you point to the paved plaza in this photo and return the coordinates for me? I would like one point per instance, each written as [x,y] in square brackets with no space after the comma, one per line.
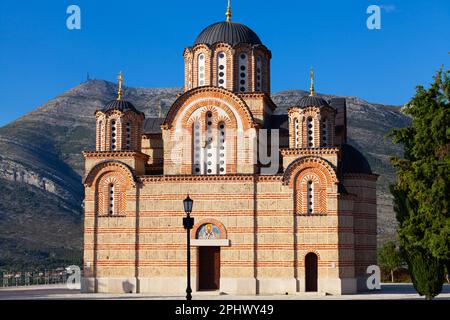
[60,292]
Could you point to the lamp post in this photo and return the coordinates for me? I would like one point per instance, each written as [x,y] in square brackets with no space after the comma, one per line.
[188,223]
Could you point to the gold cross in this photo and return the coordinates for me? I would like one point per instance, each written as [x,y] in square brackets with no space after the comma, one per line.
[120,81]
[228,13]
[311,88]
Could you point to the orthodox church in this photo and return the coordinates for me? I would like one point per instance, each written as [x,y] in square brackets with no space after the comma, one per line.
[282,204]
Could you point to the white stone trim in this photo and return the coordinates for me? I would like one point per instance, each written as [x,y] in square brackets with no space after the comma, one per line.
[210,243]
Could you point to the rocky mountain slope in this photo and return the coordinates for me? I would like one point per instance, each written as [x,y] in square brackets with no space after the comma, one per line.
[41,166]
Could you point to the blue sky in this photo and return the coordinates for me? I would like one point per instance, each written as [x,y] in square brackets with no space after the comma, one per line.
[40,58]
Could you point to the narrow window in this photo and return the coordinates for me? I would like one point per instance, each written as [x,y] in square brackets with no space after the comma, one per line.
[324,133]
[259,74]
[296,133]
[113,135]
[310,135]
[101,136]
[310,197]
[190,73]
[111,199]
[222,70]
[201,70]
[196,167]
[128,135]
[243,72]
[210,158]
[221,159]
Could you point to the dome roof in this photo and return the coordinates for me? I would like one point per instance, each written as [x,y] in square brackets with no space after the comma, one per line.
[120,105]
[228,32]
[312,101]
[353,161]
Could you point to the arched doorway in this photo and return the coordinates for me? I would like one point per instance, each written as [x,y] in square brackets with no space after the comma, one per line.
[311,272]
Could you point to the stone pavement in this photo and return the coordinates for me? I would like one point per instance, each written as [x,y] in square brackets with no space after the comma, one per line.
[387,292]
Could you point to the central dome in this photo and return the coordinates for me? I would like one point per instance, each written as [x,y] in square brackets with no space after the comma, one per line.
[228,32]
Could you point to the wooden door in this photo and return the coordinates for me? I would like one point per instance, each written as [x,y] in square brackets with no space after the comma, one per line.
[311,272]
[209,268]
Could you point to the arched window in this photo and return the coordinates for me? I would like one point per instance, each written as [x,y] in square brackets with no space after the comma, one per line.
[324,132]
[201,70]
[259,73]
[310,135]
[221,146]
[296,133]
[210,158]
[243,72]
[209,155]
[113,135]
[222,70]
[128,135]
[111,193]
[310,197]
[197,151]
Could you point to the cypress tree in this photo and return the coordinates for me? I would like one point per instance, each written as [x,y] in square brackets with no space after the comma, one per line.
[427,272]
[422,191]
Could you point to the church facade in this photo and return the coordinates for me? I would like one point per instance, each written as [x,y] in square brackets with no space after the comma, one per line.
[282,204]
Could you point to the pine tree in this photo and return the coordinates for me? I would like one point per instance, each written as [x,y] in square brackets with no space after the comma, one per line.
[422,191]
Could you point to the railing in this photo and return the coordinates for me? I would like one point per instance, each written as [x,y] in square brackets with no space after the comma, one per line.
[29,278]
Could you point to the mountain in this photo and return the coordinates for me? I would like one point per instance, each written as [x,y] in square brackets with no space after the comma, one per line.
[41,166]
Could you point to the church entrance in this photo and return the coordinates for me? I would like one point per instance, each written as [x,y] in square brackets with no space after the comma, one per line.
[311,272]
[208,268]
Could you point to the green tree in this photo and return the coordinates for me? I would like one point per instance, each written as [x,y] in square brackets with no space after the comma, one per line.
[427,273]
[389,258]
[421,193]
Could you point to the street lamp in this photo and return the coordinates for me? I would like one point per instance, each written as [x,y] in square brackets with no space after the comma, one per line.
[188,223]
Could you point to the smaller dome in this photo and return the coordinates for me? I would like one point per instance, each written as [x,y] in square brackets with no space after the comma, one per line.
[120,105]
[312,101]
[353,161]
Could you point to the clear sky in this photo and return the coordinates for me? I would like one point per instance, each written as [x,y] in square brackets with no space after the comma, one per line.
[40,58]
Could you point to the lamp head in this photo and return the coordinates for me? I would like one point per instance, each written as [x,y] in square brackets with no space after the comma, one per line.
[188,203]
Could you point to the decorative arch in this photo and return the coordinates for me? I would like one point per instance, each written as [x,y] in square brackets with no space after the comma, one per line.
[214,96]
[110,194]
[104,167]
[310,250]
[309,162]
[311,192]
[201,223]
